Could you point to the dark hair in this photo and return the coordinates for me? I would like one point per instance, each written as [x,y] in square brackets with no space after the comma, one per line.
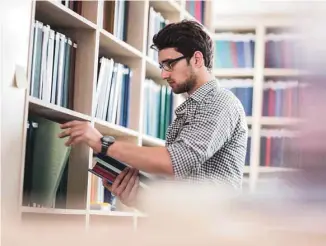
[186,37]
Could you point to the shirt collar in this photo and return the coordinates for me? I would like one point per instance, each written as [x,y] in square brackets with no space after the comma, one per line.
[198,95]
[201,92]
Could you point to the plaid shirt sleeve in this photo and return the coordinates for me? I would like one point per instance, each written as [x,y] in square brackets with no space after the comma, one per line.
[202,136]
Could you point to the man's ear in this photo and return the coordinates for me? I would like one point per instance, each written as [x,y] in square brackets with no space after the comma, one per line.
[198,59]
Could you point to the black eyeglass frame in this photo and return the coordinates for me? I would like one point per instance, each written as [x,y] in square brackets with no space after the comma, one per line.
[167,65]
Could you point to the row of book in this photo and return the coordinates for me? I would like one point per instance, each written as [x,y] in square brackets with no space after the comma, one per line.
[277,148]
[113,92]
[53,66]
[196,9]
[74,5]
[156,22]
[158,109]
[46,164]
[243,89]
[281,98]
[115,18]
[233,50]
[280,51]
[101,198]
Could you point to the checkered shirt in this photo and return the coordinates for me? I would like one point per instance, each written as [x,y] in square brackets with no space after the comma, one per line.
[207,140]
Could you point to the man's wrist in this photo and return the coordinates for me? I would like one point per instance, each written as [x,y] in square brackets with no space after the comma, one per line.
[97,146]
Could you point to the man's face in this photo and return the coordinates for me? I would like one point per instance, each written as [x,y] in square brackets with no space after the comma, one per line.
[179,74]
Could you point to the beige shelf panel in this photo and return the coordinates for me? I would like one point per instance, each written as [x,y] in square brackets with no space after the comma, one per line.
[169,6]
[57,14]
[152,141]
[115,47]
[279,121]
[120,132]
[233,72]
[282,72]
[112,213]
[25,209]
[276,169]
[55,112]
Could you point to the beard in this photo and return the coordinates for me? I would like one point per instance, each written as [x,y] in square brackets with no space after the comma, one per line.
[186,86]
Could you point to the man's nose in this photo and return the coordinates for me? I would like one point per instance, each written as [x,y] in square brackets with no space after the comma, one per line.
[165,74]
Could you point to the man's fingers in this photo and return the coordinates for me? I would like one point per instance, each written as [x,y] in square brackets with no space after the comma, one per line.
[133,193]
[70,124]
[124,183]
[134,174]
[119,178]
[75,140]
[73,132]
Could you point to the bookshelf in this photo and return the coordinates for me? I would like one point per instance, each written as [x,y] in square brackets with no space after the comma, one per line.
[257,63]
[64,42]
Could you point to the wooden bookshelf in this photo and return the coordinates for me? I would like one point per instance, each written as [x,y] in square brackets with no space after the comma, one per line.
[92,37]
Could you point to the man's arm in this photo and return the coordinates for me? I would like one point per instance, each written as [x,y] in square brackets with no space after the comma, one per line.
[154,160]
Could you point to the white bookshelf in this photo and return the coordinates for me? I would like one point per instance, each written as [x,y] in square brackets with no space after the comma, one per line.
[259,25]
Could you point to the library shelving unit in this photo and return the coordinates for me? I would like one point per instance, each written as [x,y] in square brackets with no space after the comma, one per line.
[255,57]
[73,46]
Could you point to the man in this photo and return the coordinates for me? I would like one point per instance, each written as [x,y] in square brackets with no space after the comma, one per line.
[208,139]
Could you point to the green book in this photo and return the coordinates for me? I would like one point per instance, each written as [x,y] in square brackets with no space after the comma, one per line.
[50,156]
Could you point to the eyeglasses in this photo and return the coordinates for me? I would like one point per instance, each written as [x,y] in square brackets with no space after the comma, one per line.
[167,65]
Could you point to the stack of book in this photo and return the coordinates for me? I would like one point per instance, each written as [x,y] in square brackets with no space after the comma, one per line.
[278,149]
[53,66]
[115,18]
[243,89]
[156,22]
[196,9]
[158,109]
[233,50]
[113,92]
[281,98]
[280,50]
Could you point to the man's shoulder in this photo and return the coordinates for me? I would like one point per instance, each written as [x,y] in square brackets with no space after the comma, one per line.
[222,99]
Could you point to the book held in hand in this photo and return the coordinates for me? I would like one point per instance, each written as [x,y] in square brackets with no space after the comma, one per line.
[109,168]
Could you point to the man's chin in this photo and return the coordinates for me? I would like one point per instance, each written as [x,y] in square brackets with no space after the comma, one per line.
[177,90]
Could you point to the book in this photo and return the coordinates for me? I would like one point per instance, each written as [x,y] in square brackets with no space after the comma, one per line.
[108,168]
[46,160]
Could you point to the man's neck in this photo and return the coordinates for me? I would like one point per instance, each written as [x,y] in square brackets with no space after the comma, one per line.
[201,80]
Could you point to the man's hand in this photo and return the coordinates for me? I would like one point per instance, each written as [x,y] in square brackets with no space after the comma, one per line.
[125,186]
[82,132]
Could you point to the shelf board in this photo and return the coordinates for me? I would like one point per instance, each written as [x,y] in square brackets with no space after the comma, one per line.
[121,132]
[111,45]
[56,14]
[152,141]
[279,121]
[37,210]
[282,72]
[112,213]
[246,170]
[233,72]
[249,120]
[166,6]
[263,169]
[54,112]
